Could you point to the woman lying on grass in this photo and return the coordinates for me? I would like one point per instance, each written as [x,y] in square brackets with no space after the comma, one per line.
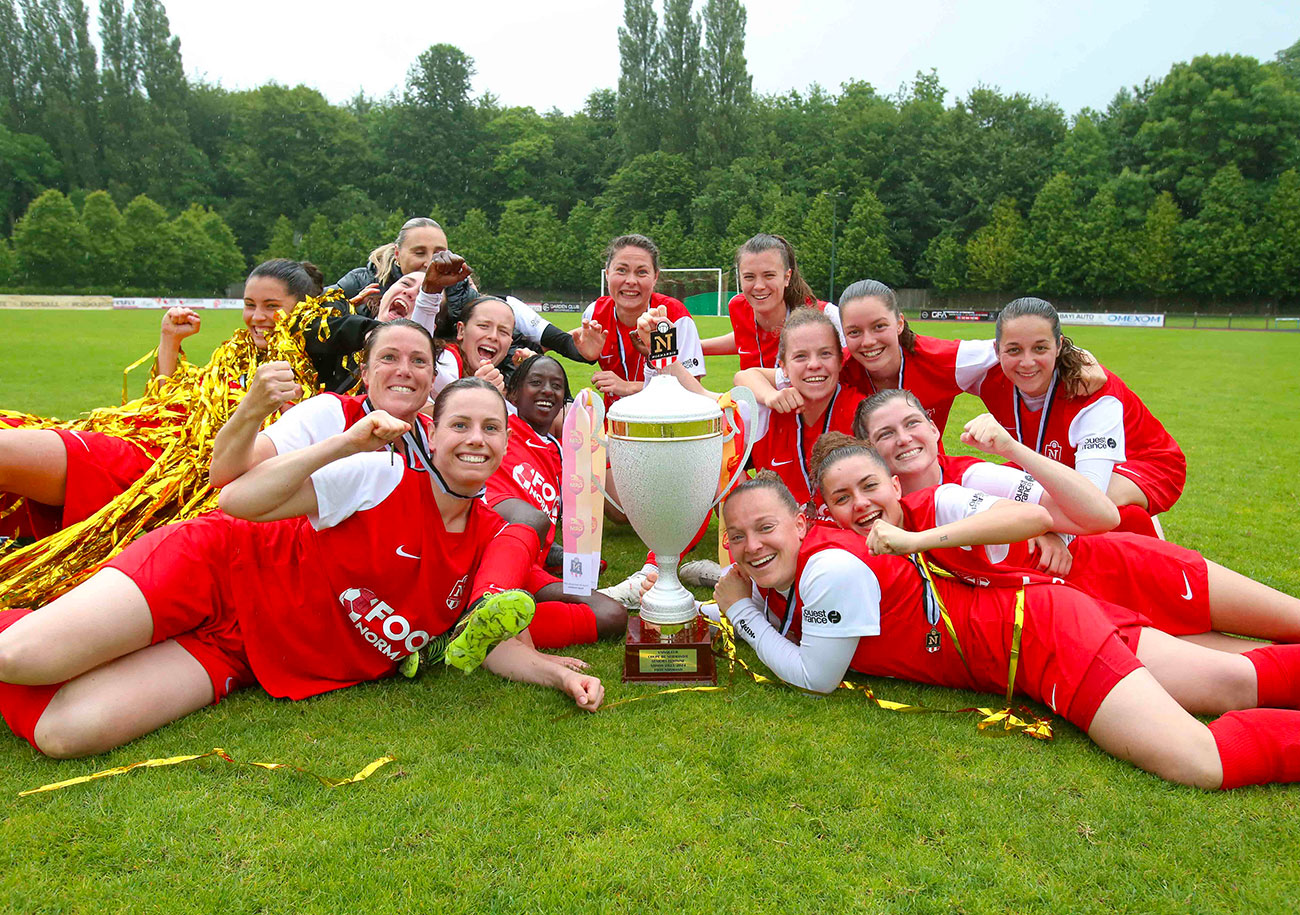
[860,604]
[330,565]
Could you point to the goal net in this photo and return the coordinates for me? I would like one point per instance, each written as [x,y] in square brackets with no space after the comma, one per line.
[702,289]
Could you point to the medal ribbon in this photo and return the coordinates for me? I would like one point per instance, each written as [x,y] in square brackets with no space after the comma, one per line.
[1042,422]
[826,424]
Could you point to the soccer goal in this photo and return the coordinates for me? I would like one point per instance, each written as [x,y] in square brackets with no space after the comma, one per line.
[702,289]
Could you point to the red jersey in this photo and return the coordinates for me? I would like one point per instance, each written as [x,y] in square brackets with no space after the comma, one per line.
[784,442]
[936,372]
[530,471]
[317,418]
[321,609]
[759,348]
[622,358]
[1111,424]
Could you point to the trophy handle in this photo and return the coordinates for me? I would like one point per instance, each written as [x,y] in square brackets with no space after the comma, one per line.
[741,395]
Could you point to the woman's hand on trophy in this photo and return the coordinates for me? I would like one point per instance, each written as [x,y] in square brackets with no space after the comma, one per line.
[733,586]
[610,384]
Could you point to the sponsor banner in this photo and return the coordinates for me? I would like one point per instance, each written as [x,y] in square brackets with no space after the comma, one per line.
[953,314]
[1116,320]
[182,303]
[557,306]
[56,301]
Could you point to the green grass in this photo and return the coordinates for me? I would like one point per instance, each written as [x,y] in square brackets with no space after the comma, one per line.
[753,799]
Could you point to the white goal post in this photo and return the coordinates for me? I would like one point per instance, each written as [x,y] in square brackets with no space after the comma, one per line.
[674,280]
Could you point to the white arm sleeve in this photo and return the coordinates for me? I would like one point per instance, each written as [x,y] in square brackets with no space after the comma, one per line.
[818,663]
[312,421]
[352,484]
[1003,481]
[1097,435]
[756,426]
[832,311]
[589,311]
[446,370]
[955,503]
[689,351]
[974,359]
[427,305]
[528,323]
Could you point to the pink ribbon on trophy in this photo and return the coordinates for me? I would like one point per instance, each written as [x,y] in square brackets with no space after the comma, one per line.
[583,453]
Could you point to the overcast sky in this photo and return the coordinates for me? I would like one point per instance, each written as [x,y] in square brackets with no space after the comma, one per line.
[553,54]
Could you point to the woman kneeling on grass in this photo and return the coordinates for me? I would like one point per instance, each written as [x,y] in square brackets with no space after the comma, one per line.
[358,564]
[859,604]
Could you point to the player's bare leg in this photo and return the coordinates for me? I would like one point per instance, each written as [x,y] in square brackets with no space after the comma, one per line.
[33,464]
[1140,722]
[124,699]
[102,619]
[1247,607]
[1201,680]
[1221,641]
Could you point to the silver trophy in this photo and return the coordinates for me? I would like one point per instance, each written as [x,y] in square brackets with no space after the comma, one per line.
[665,448]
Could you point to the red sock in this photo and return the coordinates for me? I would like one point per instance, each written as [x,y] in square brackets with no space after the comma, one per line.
[1258,746]
[506,560]
[22,706]
[1277,671]
[557,624]
[695,541]
[1135,520]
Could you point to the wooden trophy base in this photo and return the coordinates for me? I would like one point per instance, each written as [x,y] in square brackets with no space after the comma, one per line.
[684,656]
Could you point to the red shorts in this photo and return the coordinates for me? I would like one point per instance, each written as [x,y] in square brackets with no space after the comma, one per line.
[1162,483]
[100,468]
[1143,581]
[1071,653]
[180,568]
[22,706]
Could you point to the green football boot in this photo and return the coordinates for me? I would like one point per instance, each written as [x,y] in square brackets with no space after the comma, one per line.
[496,618]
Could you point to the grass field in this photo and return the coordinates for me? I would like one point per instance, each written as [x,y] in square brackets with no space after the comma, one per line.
[753,799]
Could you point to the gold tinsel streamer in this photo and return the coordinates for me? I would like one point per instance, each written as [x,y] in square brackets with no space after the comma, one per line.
[218,753]
[183,414]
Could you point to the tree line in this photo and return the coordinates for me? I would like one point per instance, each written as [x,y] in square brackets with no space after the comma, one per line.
[1185,186]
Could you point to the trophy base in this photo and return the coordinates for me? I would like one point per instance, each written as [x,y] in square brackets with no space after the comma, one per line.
[684,656]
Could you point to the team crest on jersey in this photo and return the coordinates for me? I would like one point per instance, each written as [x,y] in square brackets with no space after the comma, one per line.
[1053,450]
[457,594]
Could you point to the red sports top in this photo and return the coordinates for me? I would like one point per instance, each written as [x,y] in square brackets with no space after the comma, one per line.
[936,372]
[784,443]
[756,347]
[529,471]
[622,358]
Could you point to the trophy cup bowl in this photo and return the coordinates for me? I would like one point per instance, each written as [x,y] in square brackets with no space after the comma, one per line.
[665,447]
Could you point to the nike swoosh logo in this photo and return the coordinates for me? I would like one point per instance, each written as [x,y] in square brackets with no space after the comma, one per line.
[544,445]
[1188,586]
[748,352]
[781,463]
[1052,701]
[402,552]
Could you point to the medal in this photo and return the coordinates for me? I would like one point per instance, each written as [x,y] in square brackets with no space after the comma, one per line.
[932,640]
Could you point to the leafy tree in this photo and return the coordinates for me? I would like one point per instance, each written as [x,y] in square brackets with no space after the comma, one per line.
[27,165]
[50,243]
[1084,154]
[8,264]
[320,246]
[1106,248]
[1053,257]
[529,242]
[727,82]
[153,259]
[579,251]
[640,106]
[281,242]
[1159,247]
[744,225]
[474,240]
[1279,239]
[227,261]
[105,239]
[994,253]
[814,250]
[864,249]
[944,263]
[1220,256]
[648,186]
[679,68]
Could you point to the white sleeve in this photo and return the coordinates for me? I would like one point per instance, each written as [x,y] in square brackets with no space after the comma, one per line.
[955,503]
[817,663]
[1097,435]
[782,379]
[974,359]
[312,421]
[446,370]
[427,305]
[756,426]
[589,311]
[352,484]
[840,595]
[1003,481]
[528,323]
[832,311]
[689,351]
